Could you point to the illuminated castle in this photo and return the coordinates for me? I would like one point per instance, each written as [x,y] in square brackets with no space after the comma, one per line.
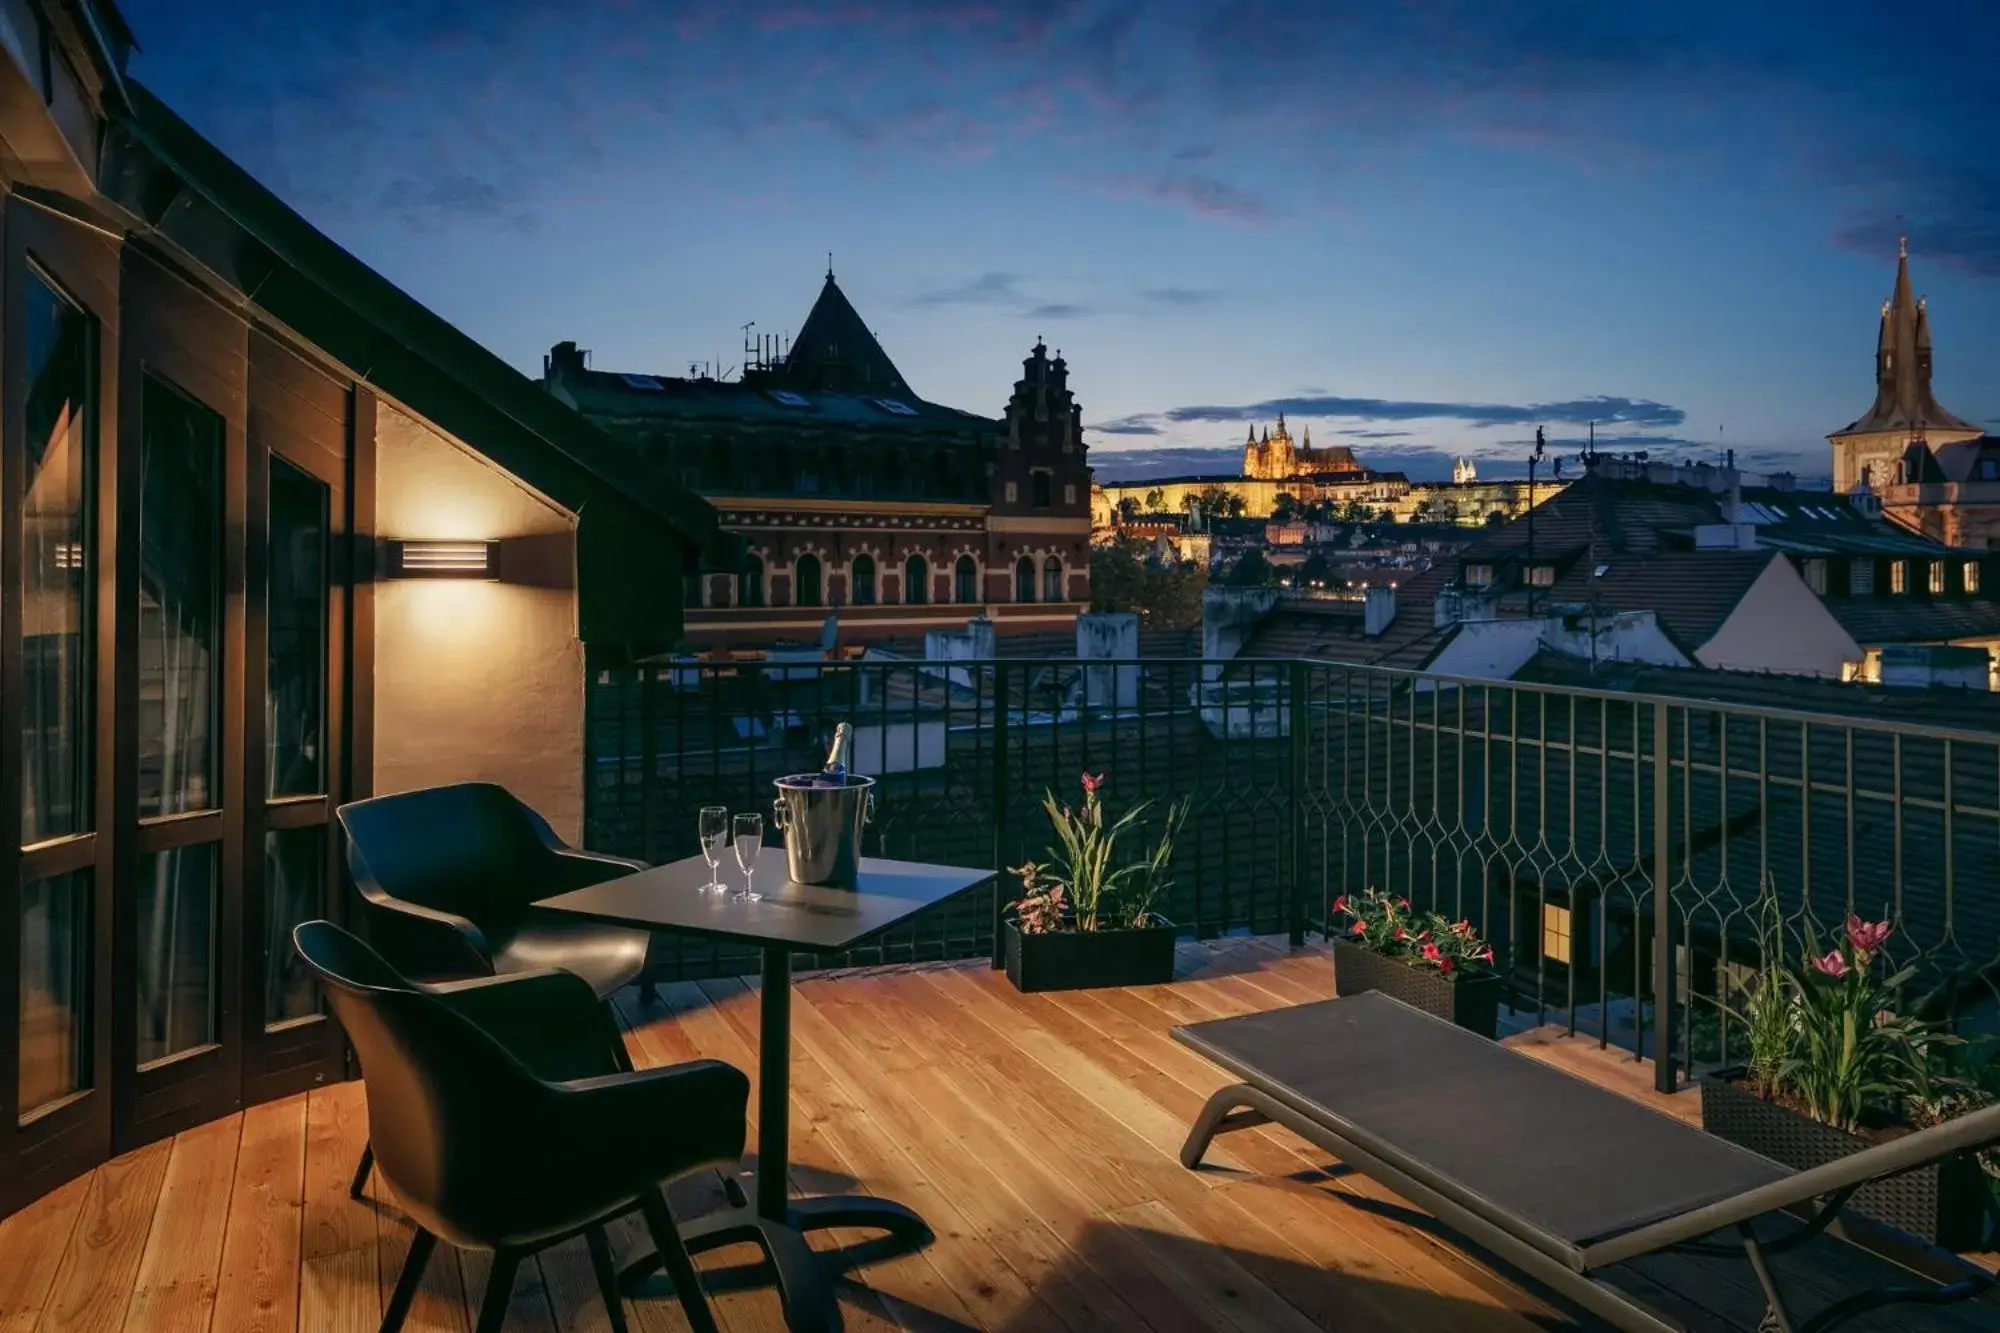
[1275,458]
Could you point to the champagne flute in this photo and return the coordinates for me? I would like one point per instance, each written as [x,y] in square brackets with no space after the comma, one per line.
[714,834]
[749,842]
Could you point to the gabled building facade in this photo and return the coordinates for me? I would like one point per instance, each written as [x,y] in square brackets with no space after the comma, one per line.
[866,512]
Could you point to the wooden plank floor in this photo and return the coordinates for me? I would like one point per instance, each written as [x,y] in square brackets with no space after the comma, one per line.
[1038,1135]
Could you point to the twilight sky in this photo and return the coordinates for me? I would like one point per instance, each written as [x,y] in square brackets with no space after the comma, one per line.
[1423,227]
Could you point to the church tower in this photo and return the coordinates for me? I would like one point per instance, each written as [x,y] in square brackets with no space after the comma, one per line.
[1905,411]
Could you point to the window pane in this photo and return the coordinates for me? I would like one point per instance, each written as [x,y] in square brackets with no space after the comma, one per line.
[56,572]
[180,603]
[174,911]
[55,989]
[295,704]
[294,888]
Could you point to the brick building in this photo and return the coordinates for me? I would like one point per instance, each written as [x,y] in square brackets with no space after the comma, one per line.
[859,501]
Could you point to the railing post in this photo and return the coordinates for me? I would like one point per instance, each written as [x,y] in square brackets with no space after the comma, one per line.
[1296,903]
[999,810]
[1663,914]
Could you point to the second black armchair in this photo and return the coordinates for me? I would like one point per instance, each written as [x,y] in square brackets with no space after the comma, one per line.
[499,1130]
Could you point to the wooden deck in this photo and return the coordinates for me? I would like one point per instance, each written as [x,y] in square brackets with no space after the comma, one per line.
[1037,1134]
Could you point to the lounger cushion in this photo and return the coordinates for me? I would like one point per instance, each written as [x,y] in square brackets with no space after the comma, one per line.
[1539,1152]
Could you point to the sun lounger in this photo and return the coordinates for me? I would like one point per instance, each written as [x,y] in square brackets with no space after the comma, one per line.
[1557,1176]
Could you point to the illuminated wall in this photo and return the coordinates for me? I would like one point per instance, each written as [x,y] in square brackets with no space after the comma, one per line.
[476,680]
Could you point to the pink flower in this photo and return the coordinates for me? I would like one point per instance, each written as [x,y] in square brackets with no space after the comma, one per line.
[1445,965]
[1833,965]
[1092,783]
[1867,937]
[1431,952]
[1462,928]
[1360,928]
[1340,903]
[1403,903]
[1402,934]
[1488,955]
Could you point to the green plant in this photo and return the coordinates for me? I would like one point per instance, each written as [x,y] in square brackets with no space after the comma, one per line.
[1390,926]
[1083,885]
[1770,1013]
[1852,1051]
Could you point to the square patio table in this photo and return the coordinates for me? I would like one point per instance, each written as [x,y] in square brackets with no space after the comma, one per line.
[788,918]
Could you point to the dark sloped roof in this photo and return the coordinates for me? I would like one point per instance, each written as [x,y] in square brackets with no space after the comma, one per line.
[1333,631]
[390,338]
[834,349]
[1874,621]
[604,394]
[1691,593]
[1976,710]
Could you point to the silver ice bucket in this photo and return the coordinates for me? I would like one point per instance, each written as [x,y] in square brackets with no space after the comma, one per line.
[822,827]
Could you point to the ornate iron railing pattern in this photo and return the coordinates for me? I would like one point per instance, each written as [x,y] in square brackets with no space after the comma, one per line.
[1563,823]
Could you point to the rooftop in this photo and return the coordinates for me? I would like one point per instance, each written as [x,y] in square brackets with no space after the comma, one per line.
[1037,1133]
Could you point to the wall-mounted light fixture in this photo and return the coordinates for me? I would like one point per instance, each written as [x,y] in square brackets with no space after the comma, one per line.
[444,560]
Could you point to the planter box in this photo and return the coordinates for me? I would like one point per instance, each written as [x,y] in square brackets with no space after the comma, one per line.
[1089,959]
[1473,1005]
[1943,1204]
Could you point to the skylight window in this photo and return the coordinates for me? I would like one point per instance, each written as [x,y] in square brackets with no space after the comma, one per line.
[646,382]
[1601,571]
[788,398]
[897,406]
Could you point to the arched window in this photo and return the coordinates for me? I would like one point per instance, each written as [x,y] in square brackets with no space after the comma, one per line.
[864,580]
[750,583]
[1024,580]
[806,592]
[1052,580]
[967,579]
[917,580]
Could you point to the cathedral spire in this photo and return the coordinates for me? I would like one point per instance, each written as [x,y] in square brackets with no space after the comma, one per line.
[1904,404]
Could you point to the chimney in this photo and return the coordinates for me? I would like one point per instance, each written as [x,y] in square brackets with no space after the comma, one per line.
[1378,611]
[564,360]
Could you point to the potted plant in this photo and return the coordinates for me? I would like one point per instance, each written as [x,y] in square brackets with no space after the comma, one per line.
[1086,917]
[1424,959]
[1834,1067]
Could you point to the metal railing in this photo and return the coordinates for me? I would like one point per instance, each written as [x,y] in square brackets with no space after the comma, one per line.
[1565,824]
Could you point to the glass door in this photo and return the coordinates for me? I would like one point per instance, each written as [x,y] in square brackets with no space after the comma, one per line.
[295,753]
[179,926]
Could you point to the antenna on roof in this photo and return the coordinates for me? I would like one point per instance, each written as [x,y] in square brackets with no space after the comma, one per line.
[829,266]
[749,346]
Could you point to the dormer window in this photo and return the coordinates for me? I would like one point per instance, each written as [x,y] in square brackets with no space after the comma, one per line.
[1815,576]
[1937,578]
[1479,576]
[1971,576]
[1989,469]
[1861,578]
[1541,576]
[1899,576]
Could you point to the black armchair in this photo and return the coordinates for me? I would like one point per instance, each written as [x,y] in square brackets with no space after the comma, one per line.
[450,876]
[499,1131]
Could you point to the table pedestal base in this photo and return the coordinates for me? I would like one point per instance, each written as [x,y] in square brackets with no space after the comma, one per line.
[802,1284]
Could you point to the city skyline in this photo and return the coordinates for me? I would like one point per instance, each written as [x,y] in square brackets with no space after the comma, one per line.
[1422,231]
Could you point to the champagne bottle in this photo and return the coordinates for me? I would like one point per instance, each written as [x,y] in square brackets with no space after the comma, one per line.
[838,754]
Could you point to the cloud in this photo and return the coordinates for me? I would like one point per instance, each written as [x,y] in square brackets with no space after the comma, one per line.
[1180,296]
[422,203]
[1058,310]
[1603,409]
[1202,195]
[1140,425]
[1375,434]
[990,288]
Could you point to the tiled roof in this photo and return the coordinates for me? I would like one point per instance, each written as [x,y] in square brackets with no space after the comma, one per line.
[602,394]
[1880,620]
[1976,710]
[1691,593]
[1332,631]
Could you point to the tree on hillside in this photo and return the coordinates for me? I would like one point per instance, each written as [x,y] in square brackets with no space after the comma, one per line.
[1128,509]
[1123,579]
[1156,501]
[1252,570]
[1356,511]
[1285,508]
